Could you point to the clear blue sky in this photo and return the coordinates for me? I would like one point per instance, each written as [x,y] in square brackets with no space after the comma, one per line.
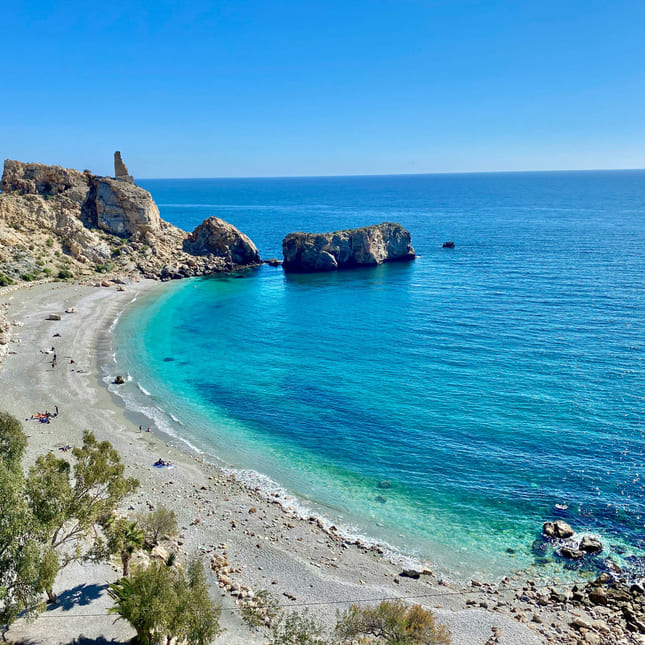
[262,88]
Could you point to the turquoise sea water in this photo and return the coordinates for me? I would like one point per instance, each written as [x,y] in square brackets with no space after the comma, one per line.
[442,406]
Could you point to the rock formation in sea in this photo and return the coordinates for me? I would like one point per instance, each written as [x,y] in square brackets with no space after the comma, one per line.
[60,223]
[370,245]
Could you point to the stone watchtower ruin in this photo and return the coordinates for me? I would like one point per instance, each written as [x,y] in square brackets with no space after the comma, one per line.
[120,169]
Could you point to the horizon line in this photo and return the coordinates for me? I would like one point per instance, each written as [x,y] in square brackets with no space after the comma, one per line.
[408,174]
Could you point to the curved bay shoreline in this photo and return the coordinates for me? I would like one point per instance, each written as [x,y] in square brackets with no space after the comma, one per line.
[300,561]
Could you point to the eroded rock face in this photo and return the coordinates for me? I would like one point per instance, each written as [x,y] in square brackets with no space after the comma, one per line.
[40,179]
[370,245]
[216,237]
[123,208]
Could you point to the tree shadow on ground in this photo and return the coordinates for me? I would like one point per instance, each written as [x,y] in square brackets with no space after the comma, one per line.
[100,640]
[77,596]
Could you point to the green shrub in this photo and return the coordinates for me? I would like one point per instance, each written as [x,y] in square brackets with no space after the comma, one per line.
[297,629]
[394,623]
[262,611]
[158,524]
[63,274]
[5,280]
[49,242]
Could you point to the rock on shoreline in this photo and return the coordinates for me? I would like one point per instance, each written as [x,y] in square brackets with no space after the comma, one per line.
[370,245]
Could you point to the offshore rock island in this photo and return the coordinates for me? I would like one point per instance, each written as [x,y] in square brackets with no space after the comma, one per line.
[370,245]
[61,223]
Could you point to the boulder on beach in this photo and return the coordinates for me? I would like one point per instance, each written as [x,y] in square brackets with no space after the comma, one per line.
[558,529]
[415,574]
[119,380]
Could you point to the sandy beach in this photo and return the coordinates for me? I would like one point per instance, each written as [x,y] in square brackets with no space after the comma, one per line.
[297,559]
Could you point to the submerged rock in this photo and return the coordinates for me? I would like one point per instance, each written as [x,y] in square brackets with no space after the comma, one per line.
[448,245]
[370,245]
[572,554]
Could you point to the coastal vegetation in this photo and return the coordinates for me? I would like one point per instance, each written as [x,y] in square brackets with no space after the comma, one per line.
[63,511]
[163,602]
[394,623]
[53,515]
[70,502]
[391,622]
[157,524]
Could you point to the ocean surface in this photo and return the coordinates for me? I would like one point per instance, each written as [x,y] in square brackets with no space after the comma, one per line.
[442,407]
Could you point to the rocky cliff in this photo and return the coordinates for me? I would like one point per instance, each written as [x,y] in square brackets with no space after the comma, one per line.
[60,223]
[307,252]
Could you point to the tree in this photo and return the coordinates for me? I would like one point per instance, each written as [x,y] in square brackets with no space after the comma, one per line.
[71,501]
[163,602]
[295,628]
[158,524]
[196,617]
[13,442]
[393,623]
[124,537]
[26,563]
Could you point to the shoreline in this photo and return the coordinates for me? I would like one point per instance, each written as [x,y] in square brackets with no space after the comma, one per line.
[298,559]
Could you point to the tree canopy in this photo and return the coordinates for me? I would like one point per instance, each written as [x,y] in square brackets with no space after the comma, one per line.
[163,602]
[52,516]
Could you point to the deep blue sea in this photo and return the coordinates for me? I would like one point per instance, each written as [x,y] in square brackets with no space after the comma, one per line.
[442,406]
